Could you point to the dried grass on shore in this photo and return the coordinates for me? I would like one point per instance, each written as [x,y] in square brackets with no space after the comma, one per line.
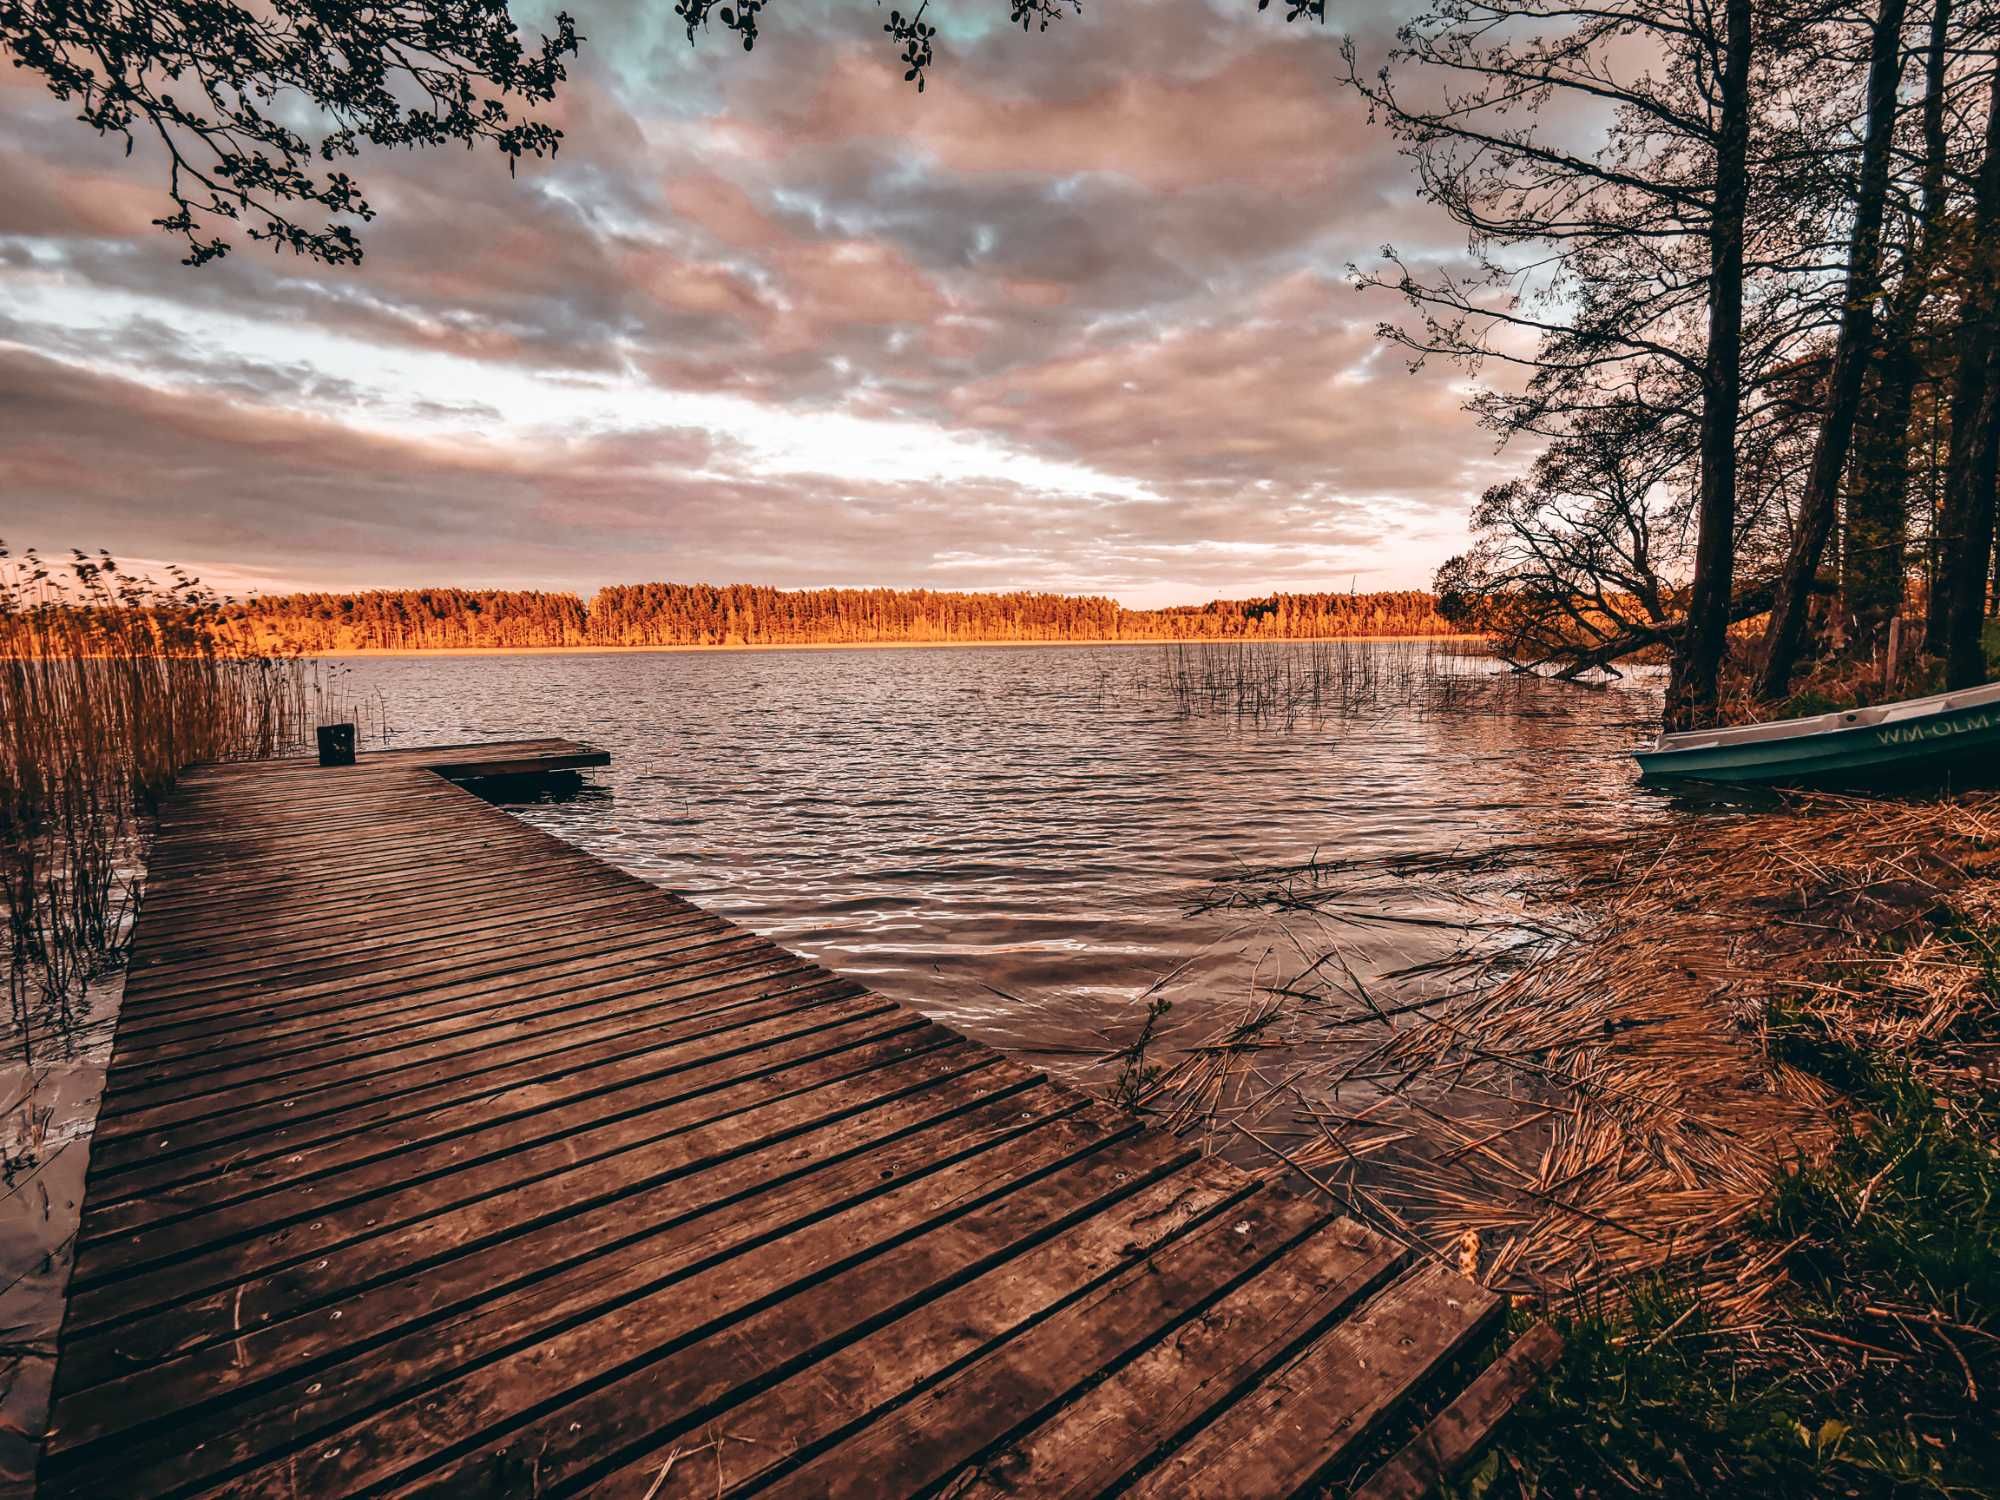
[1584,1091]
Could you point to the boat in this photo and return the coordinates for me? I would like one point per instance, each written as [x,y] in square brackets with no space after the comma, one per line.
[1950,737]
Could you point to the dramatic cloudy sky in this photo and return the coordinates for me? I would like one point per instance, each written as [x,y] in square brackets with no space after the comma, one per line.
[1076,318]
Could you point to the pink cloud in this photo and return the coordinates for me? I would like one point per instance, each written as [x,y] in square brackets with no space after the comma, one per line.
[1271,117]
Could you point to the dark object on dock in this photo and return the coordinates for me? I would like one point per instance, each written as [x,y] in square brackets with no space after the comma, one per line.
[1945,737]
[438,1155]
[336,744]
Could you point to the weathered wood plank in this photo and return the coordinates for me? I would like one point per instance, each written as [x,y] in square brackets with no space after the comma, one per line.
[667,1061]
[183,1230]
[284,1026]
[1283,1435]
[541,1014]
[369,1019]
[355,1254]
[436,913]
[1456,1434]
[122,1291]
[1131,1366]
[626,1016]
[1132,1193]
[202,996]
[1026,1365]
[622,1229]
[1172,1388]
[372,1419]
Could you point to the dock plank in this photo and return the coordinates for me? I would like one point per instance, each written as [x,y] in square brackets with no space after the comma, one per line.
[1297,1422]
[596,1219]
[1135,1192]
[395,1142]
[631,1019]
[1456,1434]
[1005,1381]
[830,1093]
[1172,1388]
[439,1157]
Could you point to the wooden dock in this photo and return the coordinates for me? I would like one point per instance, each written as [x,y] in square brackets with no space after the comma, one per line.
[439,1157]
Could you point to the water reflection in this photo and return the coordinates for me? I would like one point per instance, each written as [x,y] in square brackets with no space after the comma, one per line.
[548,788]
[1710,797]
[1011,838]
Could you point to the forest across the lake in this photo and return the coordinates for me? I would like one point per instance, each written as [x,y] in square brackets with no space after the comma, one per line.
[681,614]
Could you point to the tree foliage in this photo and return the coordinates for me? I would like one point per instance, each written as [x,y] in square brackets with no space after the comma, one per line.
[1573,566]
[1732,217]
[683,614]
[256,108]
[1596,157]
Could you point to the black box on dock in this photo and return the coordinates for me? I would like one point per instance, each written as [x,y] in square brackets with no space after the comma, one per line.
[336,744]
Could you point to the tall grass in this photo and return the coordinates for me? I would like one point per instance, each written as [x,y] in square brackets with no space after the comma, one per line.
[1286,683]
[110,684]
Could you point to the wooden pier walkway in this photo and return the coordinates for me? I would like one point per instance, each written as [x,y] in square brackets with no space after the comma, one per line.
[439,1157]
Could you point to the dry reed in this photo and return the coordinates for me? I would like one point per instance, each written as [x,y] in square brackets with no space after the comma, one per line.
[1304,682]
[1581,1093]
[110,684]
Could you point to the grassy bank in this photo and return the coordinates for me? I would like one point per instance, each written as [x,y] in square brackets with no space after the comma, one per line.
[1873,1370]
[1869,1364]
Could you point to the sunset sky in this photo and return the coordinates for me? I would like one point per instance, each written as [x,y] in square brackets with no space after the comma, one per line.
[1075,318]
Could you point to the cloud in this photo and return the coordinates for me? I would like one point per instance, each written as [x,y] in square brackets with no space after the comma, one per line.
[220,484]
[1094,278]
[1288,394]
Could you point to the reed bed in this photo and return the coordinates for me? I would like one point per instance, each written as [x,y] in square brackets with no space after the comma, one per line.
[110,684]
[1286,684]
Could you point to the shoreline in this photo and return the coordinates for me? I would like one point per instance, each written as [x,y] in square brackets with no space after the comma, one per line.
[1736,1141]
[609,650]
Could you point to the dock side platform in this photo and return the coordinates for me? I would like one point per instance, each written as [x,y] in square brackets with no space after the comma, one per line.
[439,1157]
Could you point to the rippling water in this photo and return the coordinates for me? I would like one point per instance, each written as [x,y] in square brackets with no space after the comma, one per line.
[1010,837]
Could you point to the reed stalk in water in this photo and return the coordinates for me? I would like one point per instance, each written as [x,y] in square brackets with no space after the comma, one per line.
[1288,683]
[110,684]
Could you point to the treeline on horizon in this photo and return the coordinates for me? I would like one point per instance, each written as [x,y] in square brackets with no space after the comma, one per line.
[676,614]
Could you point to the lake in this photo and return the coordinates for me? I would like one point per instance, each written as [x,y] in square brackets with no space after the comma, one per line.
[1011,837]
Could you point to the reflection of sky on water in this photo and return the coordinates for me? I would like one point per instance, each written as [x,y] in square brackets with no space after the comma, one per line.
[1010,837]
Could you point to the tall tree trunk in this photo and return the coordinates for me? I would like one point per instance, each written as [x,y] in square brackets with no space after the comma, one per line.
[1876,564]
[1786,630]
[1965,531]
[1691,689]
[1875,568]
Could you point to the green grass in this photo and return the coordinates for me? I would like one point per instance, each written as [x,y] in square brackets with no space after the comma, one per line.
[1644,1403]
[1893,1242]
